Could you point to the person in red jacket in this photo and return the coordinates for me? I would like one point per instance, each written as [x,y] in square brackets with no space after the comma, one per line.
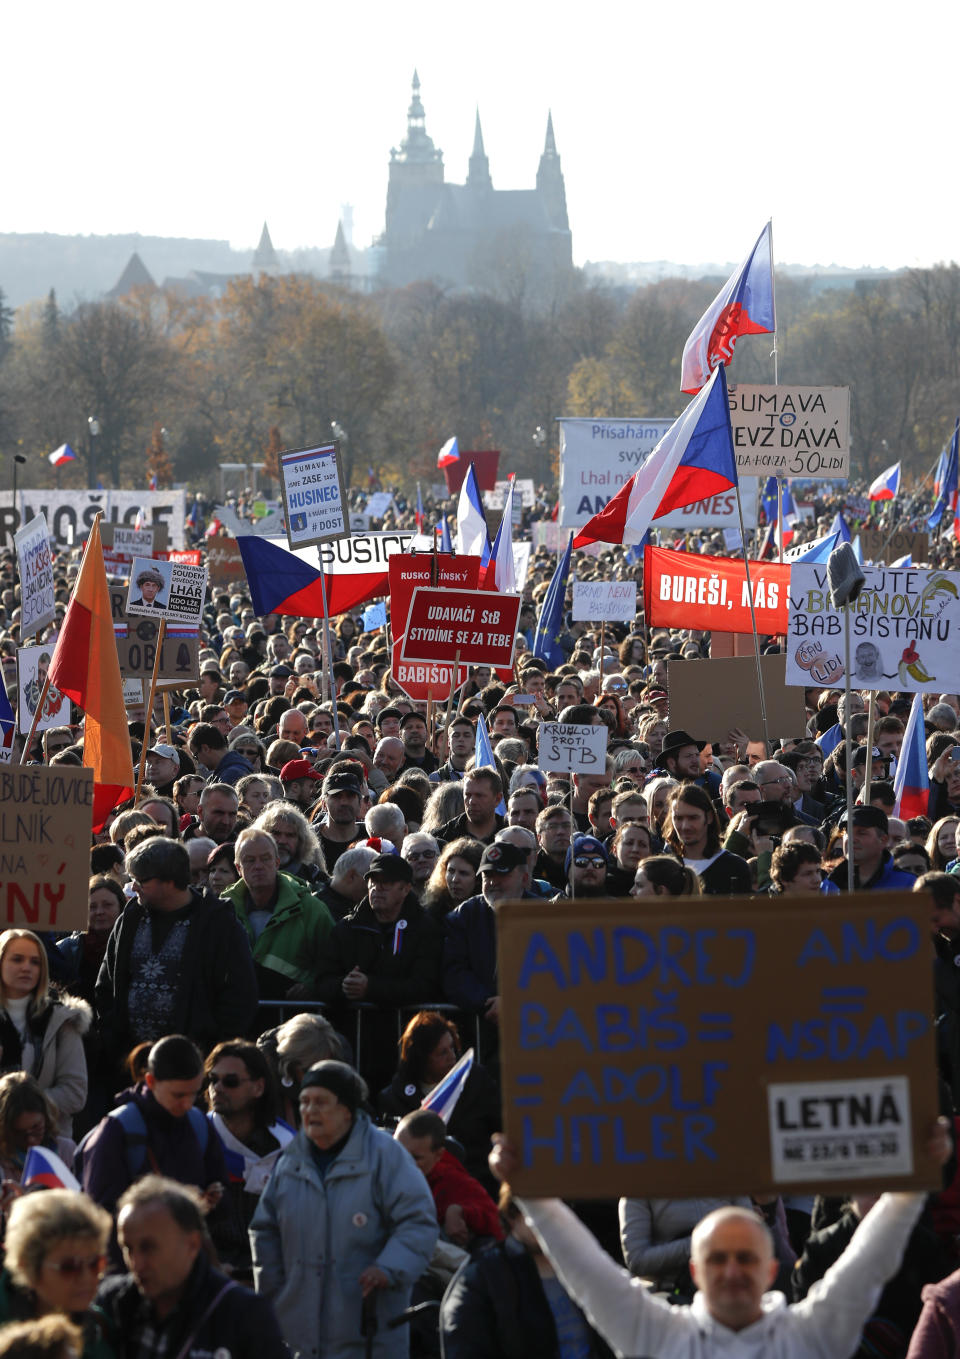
[465,1210]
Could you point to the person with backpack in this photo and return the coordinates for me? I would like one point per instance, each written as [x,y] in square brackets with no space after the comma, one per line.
[155,1128]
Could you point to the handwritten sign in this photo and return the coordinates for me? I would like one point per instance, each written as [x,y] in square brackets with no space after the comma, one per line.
[33,662]
[791,431]
[224,562]
[133,542]
[314,496]
[480,624]
[171,590]
[379,503]
[37,604]
[46,817]
[137,646]
[614,601]
[904,630]
[878,545]
[730,1049]
[566,748]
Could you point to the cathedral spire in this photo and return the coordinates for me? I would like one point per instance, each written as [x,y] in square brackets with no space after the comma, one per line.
[550,181]
[417,147]
[478,172]
[550,145]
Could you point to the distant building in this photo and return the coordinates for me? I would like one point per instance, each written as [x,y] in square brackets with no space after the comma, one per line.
[135,275]
[467,234]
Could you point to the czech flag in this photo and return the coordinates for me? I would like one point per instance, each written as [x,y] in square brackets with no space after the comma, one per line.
[743,306]
[419,513]
[693,461]
[449,453]
[152,483]
[472,537]
[911,783]
[8,727]
[887,484]
[499,573]
[44,1167]
[285,582]
[442,1099]
[61,456]
[947,494]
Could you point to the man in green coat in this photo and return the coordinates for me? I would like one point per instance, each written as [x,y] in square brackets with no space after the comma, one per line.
[286,924]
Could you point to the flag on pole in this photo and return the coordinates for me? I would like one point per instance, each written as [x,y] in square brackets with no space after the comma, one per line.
[911,782]
[947,495]
[442,1099]
[445,544]
[152,484]
[886,485]
[546,645]
[693,461]
[375,616]
[142,519]
[472,537]
[902,563]
[419,513]
[743,306]
[44,1167]
[86,667]
[812,553]
[768,499]
[857,549]
[499,574]
[62,455]
[193,518]
[8,727]
[449,453]
[483,757]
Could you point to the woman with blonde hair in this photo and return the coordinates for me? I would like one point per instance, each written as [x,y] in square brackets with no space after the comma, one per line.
[39,1033]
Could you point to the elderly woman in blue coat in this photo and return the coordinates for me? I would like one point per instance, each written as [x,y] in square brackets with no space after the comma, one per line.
[346,1214]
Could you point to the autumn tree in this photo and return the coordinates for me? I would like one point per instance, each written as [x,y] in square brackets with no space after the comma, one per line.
[159,468]
[271,459]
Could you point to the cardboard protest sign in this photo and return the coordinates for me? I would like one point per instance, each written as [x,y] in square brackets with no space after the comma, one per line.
[479,624]
[224,562]
[613,601]
[46,819]
[684,590]
[171,590]
[33,662]
[884,546]
[314,496]
[35,565]
[137,646]
[133,542]
[523,495]
[904,630]
[735,1047]
[359,523]
[70,514]
[596,458]
[791,431]
[710,698]
[568,748]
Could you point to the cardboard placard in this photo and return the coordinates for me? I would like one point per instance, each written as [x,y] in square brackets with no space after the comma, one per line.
[480,624]
[224,562]
[171,590]
[137,646]
[314,496]
[710,698]
[648,1052]
[46,819]
[35,565]
[567,748]
[127,546]
[791,431]
[612,601]
[379,503]
[882,546]
[33,662]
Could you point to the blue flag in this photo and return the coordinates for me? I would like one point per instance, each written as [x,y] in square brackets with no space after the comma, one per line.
[375,616]
[546,646]
[445,543]
[483,757]
[947,498]
[839,525]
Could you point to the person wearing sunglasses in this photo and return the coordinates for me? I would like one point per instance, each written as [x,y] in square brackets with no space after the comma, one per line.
[56,1255]
[586,863]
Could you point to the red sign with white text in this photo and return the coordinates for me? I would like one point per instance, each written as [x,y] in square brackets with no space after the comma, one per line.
[480,625]
[422,682]
[682,590]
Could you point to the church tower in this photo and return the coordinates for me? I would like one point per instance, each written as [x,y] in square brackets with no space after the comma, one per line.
[416,178]
[478,172]
[550,182]
[340,269]
[264,257]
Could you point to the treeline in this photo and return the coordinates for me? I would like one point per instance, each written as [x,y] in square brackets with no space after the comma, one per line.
[179,385]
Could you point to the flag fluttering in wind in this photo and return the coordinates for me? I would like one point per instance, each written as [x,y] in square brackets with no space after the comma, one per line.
[693,461]
[499,573]
[743,306]
[419,512]
[86,667]
[886,485]
[445,544]
[840,526]
[143,518]
[947,494]
[812,553]
[546,645]
[152,483]
[449,453]
[61,456]
[911,783]
[193,518]
[472,537]
[483,757]
[8,727]
[44,1167]
[442,1099]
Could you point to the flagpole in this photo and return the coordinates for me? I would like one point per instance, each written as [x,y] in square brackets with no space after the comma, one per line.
[148,716]
[328,658]
[773,294]
[753,620]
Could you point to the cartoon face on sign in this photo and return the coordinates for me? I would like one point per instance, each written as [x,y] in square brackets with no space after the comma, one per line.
[824,667]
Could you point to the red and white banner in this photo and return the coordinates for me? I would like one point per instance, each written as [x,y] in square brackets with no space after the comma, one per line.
[682,590]
[405,574]
[478,624]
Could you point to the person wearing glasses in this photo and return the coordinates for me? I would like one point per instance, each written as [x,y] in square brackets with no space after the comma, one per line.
[56,1255]
[777,783]
[421,852]
[587,864]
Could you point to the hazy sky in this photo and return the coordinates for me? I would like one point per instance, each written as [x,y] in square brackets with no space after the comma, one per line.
[681,128]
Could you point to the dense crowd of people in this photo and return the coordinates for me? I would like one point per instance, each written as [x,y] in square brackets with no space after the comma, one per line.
[291,942]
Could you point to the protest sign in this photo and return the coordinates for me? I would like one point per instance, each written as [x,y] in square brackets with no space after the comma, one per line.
[684,590]
[545,533]
[171,590]
[359,523]
[883,546]
[191,556]
[904,630]
[33,662]
[137,646]
[224,562]
[378,504]
[611,601]
[155,538]
[791,431]
[646,1052]
[133,695]
[46,817]
[524,494]
[596,458]
[405,574]
[73,512]
[710,698]
[37,604]
[568,748]
[314,496]
[480,625]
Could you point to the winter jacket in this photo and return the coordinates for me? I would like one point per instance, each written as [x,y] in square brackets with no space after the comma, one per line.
[312,1237]
[241,1325]
[217,993]
[470,954]
[231,769]
[888,878]
[59,1063]
[290,943]
[451,1184]
[402,961]
[937,1333]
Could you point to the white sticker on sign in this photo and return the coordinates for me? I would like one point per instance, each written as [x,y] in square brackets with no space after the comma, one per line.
[845,1130]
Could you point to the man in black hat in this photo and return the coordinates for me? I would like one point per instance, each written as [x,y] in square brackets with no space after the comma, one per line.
[873,867]
[470,933]
[680,758]
[279,674]
[341,825]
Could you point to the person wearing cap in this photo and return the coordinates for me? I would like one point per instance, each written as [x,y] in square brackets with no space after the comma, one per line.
[345,1216]
[163,768]
[301,783]
[341,799]
[278,676]
[586,863]
[873,866]
[235,705]
[285,923]
[150,583]
[413,734]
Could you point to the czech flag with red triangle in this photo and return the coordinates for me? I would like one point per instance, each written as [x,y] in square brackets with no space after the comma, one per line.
[743,306]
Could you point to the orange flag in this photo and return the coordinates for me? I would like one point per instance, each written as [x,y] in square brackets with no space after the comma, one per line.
[86,667]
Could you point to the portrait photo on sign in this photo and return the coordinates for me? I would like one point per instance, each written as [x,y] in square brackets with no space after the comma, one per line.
[149,586]
[33,662]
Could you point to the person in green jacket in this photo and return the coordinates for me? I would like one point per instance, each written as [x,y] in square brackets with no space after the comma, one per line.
[285,922]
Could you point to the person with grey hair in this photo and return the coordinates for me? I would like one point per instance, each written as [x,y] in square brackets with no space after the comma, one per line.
[199,850]
[387,822]
[174,1301]
[445,804]
[43,1230]
[389,756]
[298,848]
[421,852]
[347,886]
[177,960]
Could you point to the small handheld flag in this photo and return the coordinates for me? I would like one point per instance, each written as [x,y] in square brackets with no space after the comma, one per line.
[449,453]
[886,485]
[62,455]
[44,1167]
[442,1099]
